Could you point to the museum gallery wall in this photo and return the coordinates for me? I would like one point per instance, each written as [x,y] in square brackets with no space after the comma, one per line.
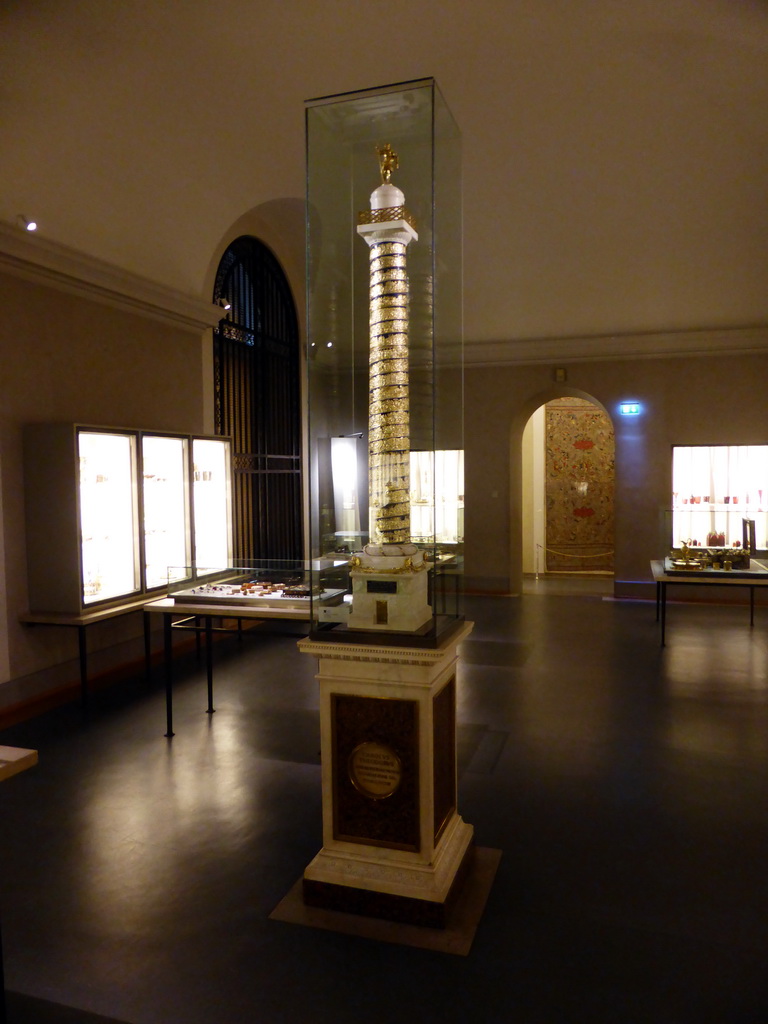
[721,409]
[85,362]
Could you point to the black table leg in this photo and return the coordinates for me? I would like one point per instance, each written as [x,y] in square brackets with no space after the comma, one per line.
[83,653]
[168,651]
[3,1017]
[209,661]
[663,612]
[658,598]
[147,648]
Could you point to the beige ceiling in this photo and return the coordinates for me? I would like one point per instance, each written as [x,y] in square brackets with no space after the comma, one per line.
[615,152]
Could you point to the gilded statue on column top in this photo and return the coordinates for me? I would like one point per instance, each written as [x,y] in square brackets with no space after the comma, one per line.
[388,161]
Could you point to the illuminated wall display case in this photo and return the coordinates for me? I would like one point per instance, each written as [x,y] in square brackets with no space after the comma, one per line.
[385,362]
[109,510]
[719,505]
[166,514]
[437,497]
[211,501]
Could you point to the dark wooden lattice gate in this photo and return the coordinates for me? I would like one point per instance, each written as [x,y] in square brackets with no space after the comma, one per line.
[257,400]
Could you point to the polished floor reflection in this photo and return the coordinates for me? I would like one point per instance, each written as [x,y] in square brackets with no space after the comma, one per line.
[626,786]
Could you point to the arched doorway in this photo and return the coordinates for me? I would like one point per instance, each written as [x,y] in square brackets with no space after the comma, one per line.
[568,462]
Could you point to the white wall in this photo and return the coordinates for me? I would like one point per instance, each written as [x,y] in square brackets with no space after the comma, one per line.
[534,493]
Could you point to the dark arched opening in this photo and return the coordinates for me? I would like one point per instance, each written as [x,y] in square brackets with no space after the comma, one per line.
[257,400]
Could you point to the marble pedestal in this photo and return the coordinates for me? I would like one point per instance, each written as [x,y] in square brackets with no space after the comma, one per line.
[394,844]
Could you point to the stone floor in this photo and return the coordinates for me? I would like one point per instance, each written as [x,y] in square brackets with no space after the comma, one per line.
[626,786]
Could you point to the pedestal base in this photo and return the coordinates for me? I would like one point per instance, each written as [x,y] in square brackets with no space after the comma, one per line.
[402,891]
[402,909]
[456,937]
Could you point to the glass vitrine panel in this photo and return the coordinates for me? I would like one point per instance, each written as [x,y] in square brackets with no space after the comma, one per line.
[437,496]
[385,360]
[211,495]
[123,501]
[274,586]
[166,516]
[108,525]
[716,489]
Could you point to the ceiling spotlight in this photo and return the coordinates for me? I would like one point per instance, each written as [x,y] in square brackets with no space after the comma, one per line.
[28,225]
[225,304]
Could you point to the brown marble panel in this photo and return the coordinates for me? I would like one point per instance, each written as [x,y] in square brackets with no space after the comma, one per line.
[393,820]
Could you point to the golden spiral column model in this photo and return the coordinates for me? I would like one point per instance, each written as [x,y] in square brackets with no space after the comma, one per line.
[388,228]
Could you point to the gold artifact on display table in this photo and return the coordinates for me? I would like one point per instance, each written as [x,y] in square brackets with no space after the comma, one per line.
[722,553]
[273,585]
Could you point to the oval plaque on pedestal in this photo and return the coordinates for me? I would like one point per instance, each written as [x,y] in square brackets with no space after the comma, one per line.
[375,770]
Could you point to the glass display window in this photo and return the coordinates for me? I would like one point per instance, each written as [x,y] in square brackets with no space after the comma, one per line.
[346,482]
[110,559]
[123,512]
[720,496]
[165,507]
[211,496]
[437,497]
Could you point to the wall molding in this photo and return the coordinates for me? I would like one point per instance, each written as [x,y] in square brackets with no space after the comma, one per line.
[37,259]
[737,340]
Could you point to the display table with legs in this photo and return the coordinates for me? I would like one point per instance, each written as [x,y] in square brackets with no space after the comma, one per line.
[754,578]
[180,615]
[81,623]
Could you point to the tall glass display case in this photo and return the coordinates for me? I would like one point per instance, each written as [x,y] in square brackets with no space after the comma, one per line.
[108,511]
[385,363]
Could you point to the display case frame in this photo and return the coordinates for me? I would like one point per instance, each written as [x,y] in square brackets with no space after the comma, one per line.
[214,516]
[399,140]
[164,506]
[719,508]
[58,511]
